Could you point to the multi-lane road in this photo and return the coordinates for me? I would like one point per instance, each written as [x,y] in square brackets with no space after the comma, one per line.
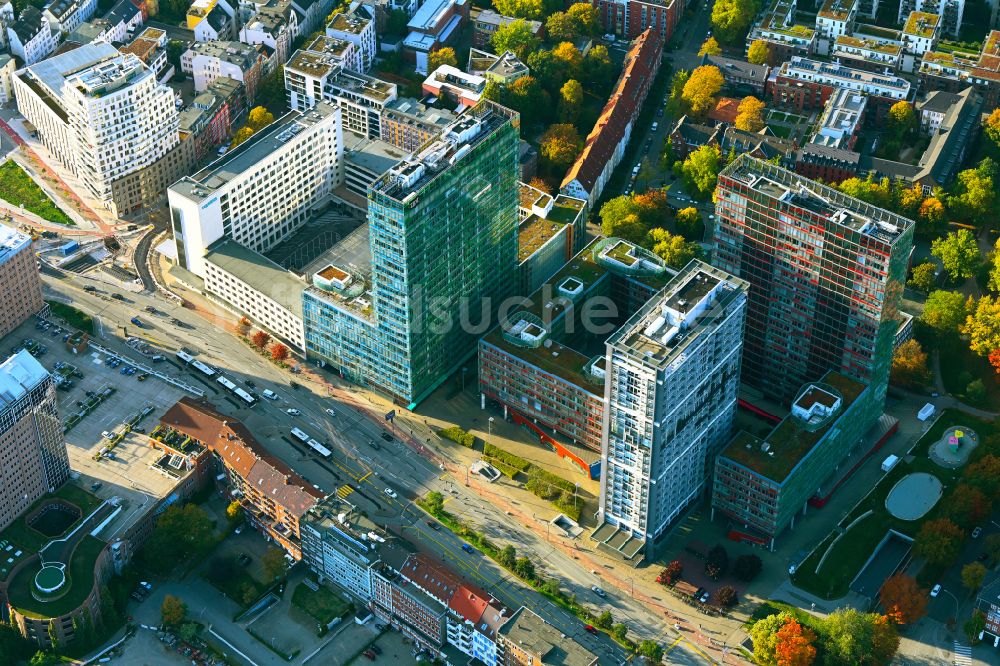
[363,463]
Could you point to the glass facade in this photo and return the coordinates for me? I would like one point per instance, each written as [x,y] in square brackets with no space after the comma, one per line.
[443,257]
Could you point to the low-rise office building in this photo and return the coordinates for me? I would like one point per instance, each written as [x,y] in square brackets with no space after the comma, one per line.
[762,483]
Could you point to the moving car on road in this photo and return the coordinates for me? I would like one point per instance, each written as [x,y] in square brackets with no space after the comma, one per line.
[291,411]
[391,493]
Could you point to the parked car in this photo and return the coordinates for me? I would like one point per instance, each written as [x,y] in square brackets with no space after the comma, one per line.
[434,526]
[704,597]
[89,287]
[976,532]
[387,437]
[250,383]
[136,321]
[598,591]
[936,590]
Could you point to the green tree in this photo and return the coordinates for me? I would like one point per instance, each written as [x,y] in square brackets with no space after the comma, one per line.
[689,224]
[945,311]
[175,49]
[994,282]
[710,47]
[701,91]
[982,326]
[973,575]
[974,194]
[560,145]
[651,650]
[938,541]
[259,118]
[974,626]
[181,532]
[440,57]
[984,474]
[599,71]
[507,557]
[46,658]
[701,170]
[561,26]
[526,9]
[526,96]
[274,563]
[434,503]
[516,37]
[674,250]
[878,194]
[924,277]
[271,91]
[570,99]
[585,16]
[853,637]
[524,568]
[620,219]
[675,100]
[758,53]
[188,631]
[605,621]
[959,254]
[619,631]
[731,19]
[991,546]
[53,635]
[975,393]
[173,610]
[492,91]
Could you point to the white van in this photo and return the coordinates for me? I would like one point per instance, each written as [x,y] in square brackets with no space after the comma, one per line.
[269,394]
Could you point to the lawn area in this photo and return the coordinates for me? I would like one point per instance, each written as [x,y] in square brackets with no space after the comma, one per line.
[80,581]
[780,131]
[959,366]
[322,605]
[851,552]
[18,189]
[238,585]
[29,540]
[73,316]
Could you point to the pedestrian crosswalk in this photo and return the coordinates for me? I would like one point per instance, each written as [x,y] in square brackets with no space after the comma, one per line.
[344,491]
[963,655]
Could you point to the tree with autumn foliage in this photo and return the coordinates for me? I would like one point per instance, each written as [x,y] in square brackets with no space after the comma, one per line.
[673,249]
[280,352]
[902,118]
[909,365]
[853,637]
[260,339]
[701,91]
[172,610]
[967,506]
[924,277]
[984,474]
[903,599]
[973,575]
[994,359]
[794,644]
[259,118]
[243,325]
[758,53]
[541,184]
[515,37]
[750,114]
[991,126]
[241,135]
[671,573]
[440,57]
[560,145]
[570,99]
[982,326]
[959,254]
[939,541]
[710,47]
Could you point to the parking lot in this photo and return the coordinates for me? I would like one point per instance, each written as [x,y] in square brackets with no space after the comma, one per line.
[127,471]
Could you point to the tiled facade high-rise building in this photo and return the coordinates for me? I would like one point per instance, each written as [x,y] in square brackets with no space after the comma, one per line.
[105,117]
[826,274]
[20,285]
[443,243]
[671,388]
[33,459]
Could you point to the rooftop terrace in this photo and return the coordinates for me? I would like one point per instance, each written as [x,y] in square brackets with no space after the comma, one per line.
[349,23]
[837,10]
[775,456]
[868,44]
[921,24]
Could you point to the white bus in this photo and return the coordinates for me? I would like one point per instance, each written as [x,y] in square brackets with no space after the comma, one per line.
[299,435]
[245,397]
[206,370]
[185,357]
[318,448]
[226,383]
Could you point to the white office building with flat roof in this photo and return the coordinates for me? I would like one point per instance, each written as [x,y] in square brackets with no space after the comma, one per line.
[672,377]
[262,191]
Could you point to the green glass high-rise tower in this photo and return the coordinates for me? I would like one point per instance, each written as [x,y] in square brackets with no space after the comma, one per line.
[442,231]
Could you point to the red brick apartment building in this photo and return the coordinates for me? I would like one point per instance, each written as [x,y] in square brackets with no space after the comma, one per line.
[273,496]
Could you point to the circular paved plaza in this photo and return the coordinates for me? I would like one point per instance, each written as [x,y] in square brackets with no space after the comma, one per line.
[913,496]
[954,447]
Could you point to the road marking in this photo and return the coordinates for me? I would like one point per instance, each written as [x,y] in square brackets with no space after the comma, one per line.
[963,655]
[362,479]
[344,491]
